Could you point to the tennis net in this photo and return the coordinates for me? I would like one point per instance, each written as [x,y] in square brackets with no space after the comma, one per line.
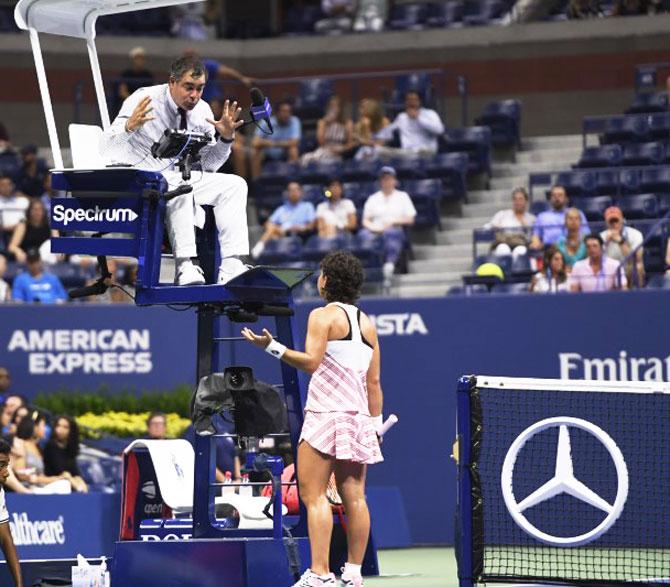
[563,482]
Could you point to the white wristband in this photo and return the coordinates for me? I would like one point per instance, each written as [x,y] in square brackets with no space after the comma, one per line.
[276,349]
[377,422]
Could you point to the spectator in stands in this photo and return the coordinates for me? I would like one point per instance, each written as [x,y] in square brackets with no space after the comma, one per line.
[339,16]
[295,217]
[6,538]
[512,226]
[61,451]
[550,224]
[597,272]
[31,233]
[417,126]
[571,243]
[282,144]
[135,77]
[389,212]
[215,72]
[553,278]
[5,381]
[369,128]
[12,403]
[584,9]
[337,214]
[634,7]
[48,193]
[371,15]
[157,426]
[5,290]
[20,413]
[36,285]
[621,240]
[28,462]
[334,133]
[9,160]
[13,205]
[30,180]
[196,21]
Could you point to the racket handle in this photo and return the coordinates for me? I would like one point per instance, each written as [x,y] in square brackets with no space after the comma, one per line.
[390,422]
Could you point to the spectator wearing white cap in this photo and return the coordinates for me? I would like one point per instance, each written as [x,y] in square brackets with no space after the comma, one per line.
[388,212]
[621,240]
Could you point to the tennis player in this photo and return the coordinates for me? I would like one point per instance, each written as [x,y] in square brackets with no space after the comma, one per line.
[342,414]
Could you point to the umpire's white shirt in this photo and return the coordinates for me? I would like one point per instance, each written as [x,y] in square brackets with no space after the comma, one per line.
[226,193]
[134,148]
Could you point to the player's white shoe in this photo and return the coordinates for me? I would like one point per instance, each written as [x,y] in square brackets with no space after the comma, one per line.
[229,269]
[350,580]
[189,274]
[310,579]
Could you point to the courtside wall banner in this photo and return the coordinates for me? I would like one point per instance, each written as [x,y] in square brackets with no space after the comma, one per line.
[427,344]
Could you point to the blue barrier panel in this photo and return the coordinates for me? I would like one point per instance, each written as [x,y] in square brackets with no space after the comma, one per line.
[62,526]
[427,344]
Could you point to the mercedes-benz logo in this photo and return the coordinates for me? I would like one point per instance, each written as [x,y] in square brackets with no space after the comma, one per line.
[564,481]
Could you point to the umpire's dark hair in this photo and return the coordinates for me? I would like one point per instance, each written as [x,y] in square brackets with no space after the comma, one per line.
[594,236]
[183,65]
[5,447]
[344,274]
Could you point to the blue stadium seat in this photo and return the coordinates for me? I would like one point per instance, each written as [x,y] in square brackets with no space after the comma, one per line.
[368,248]
[9,163]
[320,171]
[427,212]
[316,247]
[407,16]
[639,206]
[663,203]
[577,183]
[431,188]
[281,250]
[476,141]
[300,19]
[629,181]
[278,172]
[521,268]
[444,14]
[602,156]
[626,129]
[409,167]
[481,12]
[267,202]
[538,206]
[70,275]
[659,126]
[358,192]
[655,179]
[360,170]
[313,95]
[648,103]
[313,193]
[503,261]
[503,117]
[643,153]
[415,82]
[593,207]
[452,169]
[608,182]
[654,254]
[308,142]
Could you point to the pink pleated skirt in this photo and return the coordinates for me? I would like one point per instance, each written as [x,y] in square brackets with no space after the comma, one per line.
[346,436]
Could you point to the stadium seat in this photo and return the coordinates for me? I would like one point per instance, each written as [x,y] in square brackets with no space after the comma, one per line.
[407,17]
[659,126]
[478,12]
[602,156]
[629,181]
[313,95]
[593,207]
[266,202]
[577,183]
[415,82]
[639,206]
[521,269]
[663,203]
[538,206]
[655,179]
[360,170]
[313,193]
[281,250]
[358,192]
[476,141]
[431,188]
[70,275]
[444,14]
[320,172]
[643,153]
[9,163]
[278,172]
[427,212]
[316,247]
[626,129]
[510,288]
[368,248]
[648,103]
[654,254]
[608,182]
[503,117]
[452,169]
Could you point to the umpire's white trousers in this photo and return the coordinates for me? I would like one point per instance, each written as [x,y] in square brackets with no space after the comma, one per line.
[227,193]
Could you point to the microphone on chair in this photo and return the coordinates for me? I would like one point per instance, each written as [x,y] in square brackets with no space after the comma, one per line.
[260,109]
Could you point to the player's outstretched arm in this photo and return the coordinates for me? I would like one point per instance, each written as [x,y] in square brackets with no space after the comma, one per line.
[8,548]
